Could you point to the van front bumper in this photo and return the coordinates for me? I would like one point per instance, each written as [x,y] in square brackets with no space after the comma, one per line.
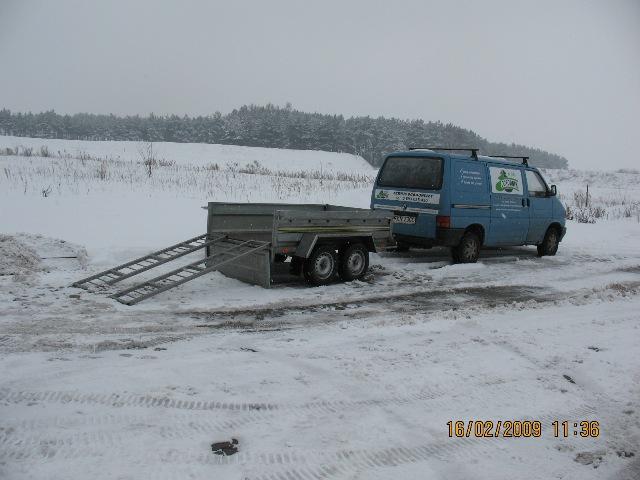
[449,237]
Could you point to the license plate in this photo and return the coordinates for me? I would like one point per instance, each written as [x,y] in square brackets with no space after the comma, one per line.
[405,219]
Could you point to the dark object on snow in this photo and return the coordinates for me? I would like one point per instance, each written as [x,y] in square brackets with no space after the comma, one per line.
[569,379]
[590,458]
[225,448]
[625,454]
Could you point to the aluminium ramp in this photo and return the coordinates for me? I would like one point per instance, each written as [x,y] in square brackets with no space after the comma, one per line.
[142,264]
[235,251]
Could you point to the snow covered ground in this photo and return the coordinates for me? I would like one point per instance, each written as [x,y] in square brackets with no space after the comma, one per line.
[345,381]
[201,154]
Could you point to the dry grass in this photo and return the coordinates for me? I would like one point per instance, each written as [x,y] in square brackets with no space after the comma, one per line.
[85,173]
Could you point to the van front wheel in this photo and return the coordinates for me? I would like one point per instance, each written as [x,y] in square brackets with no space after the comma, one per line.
[468,250]
[549,245]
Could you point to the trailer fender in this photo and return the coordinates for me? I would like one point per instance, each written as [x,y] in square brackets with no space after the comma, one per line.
[305,247]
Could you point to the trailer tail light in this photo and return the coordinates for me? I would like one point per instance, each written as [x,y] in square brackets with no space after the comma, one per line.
[443,221]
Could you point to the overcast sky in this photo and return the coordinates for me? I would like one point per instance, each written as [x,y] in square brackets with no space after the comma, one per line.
[563,75]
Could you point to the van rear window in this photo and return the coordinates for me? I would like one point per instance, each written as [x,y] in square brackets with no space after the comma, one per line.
[412,172]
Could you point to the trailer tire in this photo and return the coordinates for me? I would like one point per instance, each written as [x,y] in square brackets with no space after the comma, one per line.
[468,250]
[550,243]
[320,267]
[354,262]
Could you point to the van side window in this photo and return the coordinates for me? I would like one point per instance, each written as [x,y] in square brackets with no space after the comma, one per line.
[536,186]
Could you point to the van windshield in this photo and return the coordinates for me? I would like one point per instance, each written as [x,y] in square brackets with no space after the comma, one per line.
[412,172]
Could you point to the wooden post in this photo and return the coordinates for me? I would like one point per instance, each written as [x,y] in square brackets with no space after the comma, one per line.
[587,200]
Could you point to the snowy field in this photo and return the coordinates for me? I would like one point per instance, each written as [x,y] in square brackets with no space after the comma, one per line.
[347,381]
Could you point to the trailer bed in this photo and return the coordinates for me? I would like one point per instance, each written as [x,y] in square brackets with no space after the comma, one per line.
[292,230]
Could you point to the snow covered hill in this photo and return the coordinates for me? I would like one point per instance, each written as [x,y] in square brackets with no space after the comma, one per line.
[196,154]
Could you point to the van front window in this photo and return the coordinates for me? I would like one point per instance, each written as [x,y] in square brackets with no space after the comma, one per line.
[412,172]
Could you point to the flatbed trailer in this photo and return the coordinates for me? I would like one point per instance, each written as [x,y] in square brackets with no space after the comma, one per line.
[297,231]
[248,241]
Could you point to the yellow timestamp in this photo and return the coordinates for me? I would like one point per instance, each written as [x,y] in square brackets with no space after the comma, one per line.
[584,429]
[521,428]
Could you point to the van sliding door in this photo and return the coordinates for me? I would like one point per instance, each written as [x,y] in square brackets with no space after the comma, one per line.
[509,211]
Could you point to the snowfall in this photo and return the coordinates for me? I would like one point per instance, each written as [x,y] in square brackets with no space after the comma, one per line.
[346,381]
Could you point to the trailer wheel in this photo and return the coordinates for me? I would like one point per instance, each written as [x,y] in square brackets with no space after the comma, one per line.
[468,250]
[354,262]
[549,245]
[320,267]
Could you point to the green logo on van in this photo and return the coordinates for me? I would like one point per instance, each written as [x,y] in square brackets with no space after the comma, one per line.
[382,194]
[507,183]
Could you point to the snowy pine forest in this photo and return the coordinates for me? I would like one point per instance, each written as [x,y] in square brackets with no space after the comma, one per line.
[269,126]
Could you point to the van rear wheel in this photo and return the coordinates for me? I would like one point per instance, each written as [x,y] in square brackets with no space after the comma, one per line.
[550,243]
[468,250]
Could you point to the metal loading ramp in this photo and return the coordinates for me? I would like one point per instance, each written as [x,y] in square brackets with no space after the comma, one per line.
[142,264]
[214,261]
[230,250]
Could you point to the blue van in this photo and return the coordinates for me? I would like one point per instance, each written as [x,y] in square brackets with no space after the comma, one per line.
[467,201]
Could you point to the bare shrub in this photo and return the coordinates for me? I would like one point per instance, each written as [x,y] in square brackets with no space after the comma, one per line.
[7,151]
[102,171]
[44,151]
[46,191]
[254,168]
[27,151]
[84,156]
[585,214]
[149,159]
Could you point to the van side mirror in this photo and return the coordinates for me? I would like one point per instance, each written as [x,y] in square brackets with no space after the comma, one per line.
[553,191]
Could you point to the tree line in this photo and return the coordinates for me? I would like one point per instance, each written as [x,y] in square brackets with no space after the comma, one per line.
[269,126]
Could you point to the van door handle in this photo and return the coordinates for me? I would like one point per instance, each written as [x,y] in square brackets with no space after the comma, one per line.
[528,202]
[523,204]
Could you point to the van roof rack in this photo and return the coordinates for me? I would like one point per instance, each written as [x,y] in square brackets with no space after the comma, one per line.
[474,151]
[525,160]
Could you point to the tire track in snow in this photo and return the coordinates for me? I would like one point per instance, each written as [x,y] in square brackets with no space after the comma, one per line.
[188,423]
[149,401]
[288,465]
[182,426]
[351,462]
